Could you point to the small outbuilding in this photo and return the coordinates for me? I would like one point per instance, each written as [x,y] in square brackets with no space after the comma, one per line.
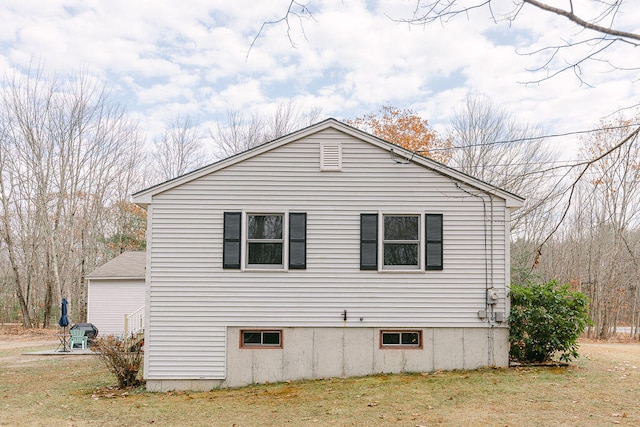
[117,290]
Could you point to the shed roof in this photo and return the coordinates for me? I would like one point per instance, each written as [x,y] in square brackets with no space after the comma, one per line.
[126,265]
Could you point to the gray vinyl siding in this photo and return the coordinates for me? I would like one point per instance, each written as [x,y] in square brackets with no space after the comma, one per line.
[192,299]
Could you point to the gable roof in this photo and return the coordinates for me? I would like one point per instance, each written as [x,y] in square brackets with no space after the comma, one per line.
[128,265]
[144,197]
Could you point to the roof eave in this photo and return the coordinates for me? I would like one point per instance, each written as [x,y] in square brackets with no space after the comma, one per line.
[513,201]
[145,197]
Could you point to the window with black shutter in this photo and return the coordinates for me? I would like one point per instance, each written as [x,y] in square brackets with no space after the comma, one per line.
[265,241]
[402,244]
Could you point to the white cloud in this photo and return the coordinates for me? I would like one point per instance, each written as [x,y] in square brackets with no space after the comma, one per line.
[190,56]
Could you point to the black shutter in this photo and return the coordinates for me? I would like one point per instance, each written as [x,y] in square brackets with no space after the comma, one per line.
[297,241]
[433,239]
[231,244]
[368,241]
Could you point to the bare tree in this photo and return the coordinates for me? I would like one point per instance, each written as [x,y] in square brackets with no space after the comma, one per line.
[180,150]
[598,247]
[238,133]
[241,132]
[491,144]
[613,211]
[63,152]
[287,118]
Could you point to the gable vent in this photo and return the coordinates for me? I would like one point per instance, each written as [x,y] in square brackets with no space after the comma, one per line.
[330,157]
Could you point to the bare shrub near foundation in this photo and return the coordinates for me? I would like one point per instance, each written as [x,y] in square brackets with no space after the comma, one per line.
[122,359]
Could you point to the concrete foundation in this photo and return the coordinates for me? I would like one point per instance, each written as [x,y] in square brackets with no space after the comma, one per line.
[343,352]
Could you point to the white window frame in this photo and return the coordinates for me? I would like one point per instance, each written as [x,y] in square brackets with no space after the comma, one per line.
[284,241]
[382,241]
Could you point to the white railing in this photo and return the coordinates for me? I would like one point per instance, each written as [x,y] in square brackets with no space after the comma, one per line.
[134,322]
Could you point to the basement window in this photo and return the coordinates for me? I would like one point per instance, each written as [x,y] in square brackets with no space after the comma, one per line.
[400,339]
[261,339]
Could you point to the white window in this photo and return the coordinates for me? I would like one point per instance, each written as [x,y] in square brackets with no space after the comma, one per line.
[401,241]
[265,240]
[271,241]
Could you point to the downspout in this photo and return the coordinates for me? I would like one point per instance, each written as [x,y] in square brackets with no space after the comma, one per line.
[488,270]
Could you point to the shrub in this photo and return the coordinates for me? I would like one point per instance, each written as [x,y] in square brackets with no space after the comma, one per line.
[122,358]
[545,319]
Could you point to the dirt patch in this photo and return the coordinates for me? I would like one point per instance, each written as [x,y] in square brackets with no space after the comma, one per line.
[14,332]
[15,336]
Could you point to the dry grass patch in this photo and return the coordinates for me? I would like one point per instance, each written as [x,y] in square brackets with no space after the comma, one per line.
[602,388]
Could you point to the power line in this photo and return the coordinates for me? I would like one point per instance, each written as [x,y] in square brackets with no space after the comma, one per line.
[532,138]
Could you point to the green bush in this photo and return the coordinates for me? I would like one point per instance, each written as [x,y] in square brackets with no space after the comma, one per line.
[546,319]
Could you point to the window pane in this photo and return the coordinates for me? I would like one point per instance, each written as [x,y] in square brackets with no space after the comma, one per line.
[390,338]
[411,338]
[251,338]
[264,226]
[265,253]
[401,227]
[400,254]
[271,338]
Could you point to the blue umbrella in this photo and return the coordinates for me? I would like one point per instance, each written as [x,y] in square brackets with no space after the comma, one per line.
[64,320]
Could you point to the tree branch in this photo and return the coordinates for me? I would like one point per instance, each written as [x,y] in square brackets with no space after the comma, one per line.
[587,165]
[304,12]
[585,24]
[575,66]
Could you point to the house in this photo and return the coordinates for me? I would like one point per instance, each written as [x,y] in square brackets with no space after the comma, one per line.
[116,295]
[327,252]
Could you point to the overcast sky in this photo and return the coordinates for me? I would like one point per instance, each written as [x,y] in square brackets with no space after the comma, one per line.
[192,57]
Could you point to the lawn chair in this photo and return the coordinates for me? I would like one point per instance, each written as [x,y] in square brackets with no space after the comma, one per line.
[77,337]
